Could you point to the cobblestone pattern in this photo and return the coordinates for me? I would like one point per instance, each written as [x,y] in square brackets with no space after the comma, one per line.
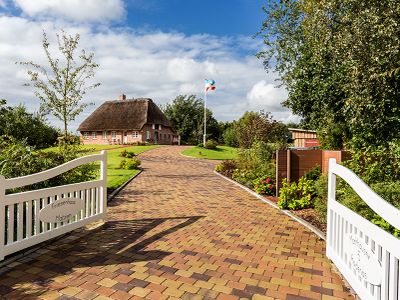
[178,231]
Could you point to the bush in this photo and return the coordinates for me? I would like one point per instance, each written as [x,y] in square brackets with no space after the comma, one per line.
[129,164]
[226,168]
[200,145]
[211,144]
[314,173]
[264,186]
[321,200]
[18,159]
[127,154]
[296,196]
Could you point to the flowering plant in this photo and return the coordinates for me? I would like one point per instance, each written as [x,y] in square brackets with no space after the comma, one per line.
[264,186]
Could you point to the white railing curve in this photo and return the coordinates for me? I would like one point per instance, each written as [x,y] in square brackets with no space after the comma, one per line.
[366,255]
[32,217]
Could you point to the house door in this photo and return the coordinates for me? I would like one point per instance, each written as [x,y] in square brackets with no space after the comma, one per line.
[156,137]
[125,137]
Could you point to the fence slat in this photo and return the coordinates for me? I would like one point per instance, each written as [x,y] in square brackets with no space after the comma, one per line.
[29,219]
[10,235]
[20,220]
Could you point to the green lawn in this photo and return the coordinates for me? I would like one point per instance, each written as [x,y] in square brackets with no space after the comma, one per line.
[221,153]
[115,176]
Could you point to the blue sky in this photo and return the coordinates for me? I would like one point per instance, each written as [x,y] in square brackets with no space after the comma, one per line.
[221,18]
[147,48]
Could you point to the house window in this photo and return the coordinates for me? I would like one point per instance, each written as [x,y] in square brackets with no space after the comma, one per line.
[159,127]
[154,126]
[148,135]
[85,135]
[135,134]
[94,135]
[113,135]
[104,135]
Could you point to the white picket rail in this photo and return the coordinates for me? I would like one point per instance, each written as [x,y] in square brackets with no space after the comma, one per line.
[366,255]
[22,214]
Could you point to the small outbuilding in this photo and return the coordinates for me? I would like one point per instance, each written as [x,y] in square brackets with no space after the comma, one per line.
[303,138]
[127,121]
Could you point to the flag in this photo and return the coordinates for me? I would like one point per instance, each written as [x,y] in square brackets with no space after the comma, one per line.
[209,85]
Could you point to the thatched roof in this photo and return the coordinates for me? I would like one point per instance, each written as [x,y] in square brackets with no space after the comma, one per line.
[124,115]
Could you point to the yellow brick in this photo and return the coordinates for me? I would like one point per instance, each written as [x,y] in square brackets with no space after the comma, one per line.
[336,287]
[107,282]
[172,284]
[184,273]
[300,286]
[140,292]
[280,281]
[222,289]
[140,275]
[255,270]
[204,284]
[218,281]
[189,288]
[173,292]
[250,281]
[261,297]
[155,279]
[70,291]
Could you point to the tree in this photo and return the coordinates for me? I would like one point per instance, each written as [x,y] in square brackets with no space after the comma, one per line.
[17,122]
[259,126]
[186,115]
[339,60]
[62,86]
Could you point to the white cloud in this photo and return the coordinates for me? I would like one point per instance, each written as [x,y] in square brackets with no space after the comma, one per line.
[158,65]
[77,10]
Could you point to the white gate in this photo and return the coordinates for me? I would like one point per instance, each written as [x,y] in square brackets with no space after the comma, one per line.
[366,255]
[31,217]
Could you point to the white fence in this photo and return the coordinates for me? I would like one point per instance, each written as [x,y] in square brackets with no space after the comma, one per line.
[366,255]
[31,217]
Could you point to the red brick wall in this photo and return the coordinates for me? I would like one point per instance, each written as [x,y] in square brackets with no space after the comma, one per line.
[165,136]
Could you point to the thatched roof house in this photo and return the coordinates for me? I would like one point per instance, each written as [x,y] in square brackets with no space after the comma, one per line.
[127,121]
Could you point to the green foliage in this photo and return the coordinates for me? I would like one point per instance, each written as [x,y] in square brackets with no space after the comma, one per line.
[62,85]
[19,159]
[259,126]
[19,123]
[314,173]
[130,164]
[186,114]
[127,154]
[296,196]
[376,163]
[211,144]
[339,60]
[230,138]
[321,200]
[264,186]
[200,145]
[254,163]
[227,167]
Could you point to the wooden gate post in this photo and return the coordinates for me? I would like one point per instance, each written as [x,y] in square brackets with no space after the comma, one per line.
[2,215]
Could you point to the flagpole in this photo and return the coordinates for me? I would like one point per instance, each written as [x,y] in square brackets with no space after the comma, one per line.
[205,117]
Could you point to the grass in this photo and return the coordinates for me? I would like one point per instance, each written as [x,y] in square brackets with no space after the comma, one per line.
[221,153]
[115,176]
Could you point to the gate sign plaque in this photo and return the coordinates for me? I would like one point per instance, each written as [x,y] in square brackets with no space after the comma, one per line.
[363,260]
[61,210]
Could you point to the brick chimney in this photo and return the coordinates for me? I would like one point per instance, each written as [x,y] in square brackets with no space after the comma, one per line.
[122,97]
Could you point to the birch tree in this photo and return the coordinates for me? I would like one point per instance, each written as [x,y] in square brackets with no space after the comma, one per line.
[61,85]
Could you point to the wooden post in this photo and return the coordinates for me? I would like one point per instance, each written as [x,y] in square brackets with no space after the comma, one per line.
[2,215]
[103,177]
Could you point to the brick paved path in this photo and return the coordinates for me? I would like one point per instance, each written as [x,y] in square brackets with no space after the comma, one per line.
[178,231]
